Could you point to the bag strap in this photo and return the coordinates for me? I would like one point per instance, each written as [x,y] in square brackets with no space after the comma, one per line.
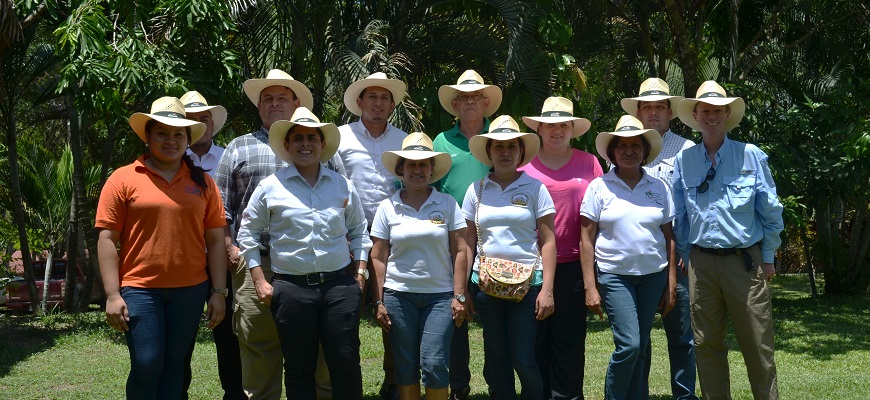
[479,236]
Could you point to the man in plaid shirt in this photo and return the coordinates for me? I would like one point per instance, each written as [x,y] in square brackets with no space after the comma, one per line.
[654,107]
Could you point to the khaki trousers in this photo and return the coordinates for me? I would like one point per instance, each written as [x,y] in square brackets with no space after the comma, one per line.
[259,347]
[720,286]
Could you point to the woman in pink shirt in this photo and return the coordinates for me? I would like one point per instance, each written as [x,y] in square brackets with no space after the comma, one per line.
[565,171]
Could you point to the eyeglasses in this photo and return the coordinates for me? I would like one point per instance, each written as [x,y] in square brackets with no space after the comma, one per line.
[711,173]
[473,97]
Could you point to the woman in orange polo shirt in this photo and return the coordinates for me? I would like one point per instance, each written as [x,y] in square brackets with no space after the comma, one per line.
[165,212]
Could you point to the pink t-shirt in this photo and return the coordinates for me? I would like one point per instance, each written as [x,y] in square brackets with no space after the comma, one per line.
[567,185]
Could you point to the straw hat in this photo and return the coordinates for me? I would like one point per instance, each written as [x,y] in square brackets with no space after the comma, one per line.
[194,103]
[652,89]
[470,81]
[303,116]
[504,128]
[629,126]
[377,79]
[555,110]
[711,93]
[276,77]
[170,111]
[418,146]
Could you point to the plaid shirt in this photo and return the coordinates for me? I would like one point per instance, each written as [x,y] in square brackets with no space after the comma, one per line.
[247,160]
[663,166]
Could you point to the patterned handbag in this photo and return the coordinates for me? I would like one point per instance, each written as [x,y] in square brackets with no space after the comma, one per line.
[504,279]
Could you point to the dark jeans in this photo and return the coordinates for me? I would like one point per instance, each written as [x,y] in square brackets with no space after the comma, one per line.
[162,324]
[561,341]
[460,357]
[681,345]
[509,335]
[228,359]
[325,314]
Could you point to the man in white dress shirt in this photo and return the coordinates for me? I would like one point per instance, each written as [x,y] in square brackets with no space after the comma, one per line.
[204,152]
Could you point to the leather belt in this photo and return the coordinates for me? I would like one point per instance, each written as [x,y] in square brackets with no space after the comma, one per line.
[316,278]
[747,258]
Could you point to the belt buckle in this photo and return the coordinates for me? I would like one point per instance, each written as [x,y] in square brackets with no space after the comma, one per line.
[319,277]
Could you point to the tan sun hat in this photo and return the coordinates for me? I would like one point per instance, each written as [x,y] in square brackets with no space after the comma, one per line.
[629,126]
[276,77]
[504,128]
[418,146]
[303,116]
[652,89]
[711,93]
[377,79]
[470,81]
[194,102]
[170,111]
[555,110]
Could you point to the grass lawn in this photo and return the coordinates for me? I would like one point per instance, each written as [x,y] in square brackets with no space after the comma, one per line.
[822,352]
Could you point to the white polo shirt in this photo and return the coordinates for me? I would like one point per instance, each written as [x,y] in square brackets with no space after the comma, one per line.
[630,239]
[420,260]
[361,154]
[209,161]
[509,218]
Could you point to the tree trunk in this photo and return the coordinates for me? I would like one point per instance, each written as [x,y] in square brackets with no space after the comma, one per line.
[91,272]
[46,283]
[72,249]
[808,257]
[18,206]
[685,45]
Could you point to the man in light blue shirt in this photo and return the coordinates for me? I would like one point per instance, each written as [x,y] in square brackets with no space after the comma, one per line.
[318,246]
[728,221]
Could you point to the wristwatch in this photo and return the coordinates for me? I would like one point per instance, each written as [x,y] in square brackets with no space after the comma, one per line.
[364,272]
[378,303]
[223,291]
[460,297]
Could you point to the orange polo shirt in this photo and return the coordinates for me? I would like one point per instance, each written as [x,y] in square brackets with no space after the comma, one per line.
[162,225]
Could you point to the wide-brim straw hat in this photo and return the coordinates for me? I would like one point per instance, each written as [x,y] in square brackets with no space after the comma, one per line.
[276,77]
[556,110]
[378,79]
[170,111]
[504,128]
[711,93]
[194,102]
[418,146]
[303,116]
[470,81]
[629,126]
[652,89]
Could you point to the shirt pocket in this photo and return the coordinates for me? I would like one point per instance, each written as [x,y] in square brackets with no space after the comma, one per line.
[333,220]
[690,186]
[741,192]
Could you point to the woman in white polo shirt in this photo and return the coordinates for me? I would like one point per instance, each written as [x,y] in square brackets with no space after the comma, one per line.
[626,228]
[514,213]
[421,266]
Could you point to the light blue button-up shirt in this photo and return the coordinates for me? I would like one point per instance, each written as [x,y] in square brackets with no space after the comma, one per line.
[739,209]
[311,229]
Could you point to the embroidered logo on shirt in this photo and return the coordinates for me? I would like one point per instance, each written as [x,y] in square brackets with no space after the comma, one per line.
[520,199]
[654,197]
[437,217]
[193,190]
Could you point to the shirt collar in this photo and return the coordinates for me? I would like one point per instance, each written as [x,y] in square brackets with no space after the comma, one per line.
[361,128]
[213,150]
[292,172]
[523,180]
[140,167]
[457,132]
[610,176]
[725,145]
[396,198]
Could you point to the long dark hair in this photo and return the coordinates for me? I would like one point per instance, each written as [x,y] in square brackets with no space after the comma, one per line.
[197,174]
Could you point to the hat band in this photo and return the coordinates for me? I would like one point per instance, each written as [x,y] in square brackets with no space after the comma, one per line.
[504,130]
[556,114]
[627,128]
[418,147]
[195,104]
[711,94]
[470,82]
[305,120]
[654,93]
[169,114]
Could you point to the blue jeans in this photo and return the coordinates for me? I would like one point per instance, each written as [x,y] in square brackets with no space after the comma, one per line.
[630,302]
[509,332]
[681,345]
[162,324]
[422,326]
